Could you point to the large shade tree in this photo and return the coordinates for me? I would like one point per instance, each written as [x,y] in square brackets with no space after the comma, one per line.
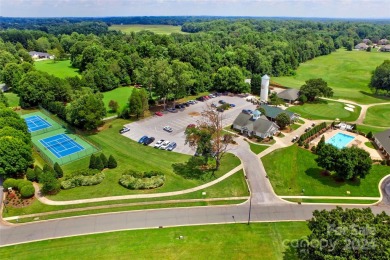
[380,79]
[314,88]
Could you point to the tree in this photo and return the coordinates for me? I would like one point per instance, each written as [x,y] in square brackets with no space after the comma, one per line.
[50,184]
[15,156]
[275,100]
[92,162]
[47,168]
[113,105]
[256,84]
[352,163]
[104,160]
[99,164]
[86,110]
[144,100]
[183,78]
[135,104]
[18,134]
[111,162]
[283,120]
[58,170]
[208,137]
[369,135]
[380,79]
[346,234]
[320,144]
[326,157]
[31,175]
[3,99]
[38,171]
[314,88]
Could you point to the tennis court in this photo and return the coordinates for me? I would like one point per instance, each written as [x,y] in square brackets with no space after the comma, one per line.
[35,123]
[61,145]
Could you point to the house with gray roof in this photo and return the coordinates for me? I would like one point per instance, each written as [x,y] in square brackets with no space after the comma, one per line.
[40,55]
[383,42]
[289,95]
[272,112]
[255,125]
[361,46]
[382,140]
[385,48]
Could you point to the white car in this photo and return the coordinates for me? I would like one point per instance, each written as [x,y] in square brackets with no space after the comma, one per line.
[165,145]
[168,129]
[159,143]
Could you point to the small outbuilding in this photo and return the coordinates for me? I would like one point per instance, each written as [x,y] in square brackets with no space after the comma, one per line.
[40,55]
[255,125]
[382,140]
[272,112]
[289,95]
[386,48]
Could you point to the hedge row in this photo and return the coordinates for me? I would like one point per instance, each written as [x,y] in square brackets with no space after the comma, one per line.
[312,132]
[80,180]
[25,187]
[140,181]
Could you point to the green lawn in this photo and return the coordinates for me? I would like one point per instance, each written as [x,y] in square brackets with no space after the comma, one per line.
[325,110]
[131,155]
[347,72]
[366,129]
[120,95]
[233,186]
[232,241]
[61,69]
[292,169]
[155,28]
[13,99]
[369,144]
[257,148]
[378,116]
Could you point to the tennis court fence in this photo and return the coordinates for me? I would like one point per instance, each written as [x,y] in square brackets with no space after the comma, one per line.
[46,130]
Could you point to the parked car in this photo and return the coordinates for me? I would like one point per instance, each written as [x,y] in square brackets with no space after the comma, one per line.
[124,130]
[192,102]
[172,110]
[186,104]
[149,140]
[164,145]
[218,94]
[143,139]
[206,97]
[213,105]
[220,109]
[200,99]
[221,102]
[158,113]
[247,111]
[212,96]
[159,143]
[168,129]
[171,146]
[232,105]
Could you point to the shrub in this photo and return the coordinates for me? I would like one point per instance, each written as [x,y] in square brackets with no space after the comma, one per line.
[104,160]
[313,149]
[307,145]
[47,168]
[82,180]
[139,181]
[58,170]
[92,162]
[98,163]
[50,184]
[27,191]
[10,183]
[22,183]
[369,135]
[383,162]
[112,162]
[31,175]
[388,162]
[38,171]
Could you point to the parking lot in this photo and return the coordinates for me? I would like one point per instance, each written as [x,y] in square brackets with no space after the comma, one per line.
[153,126]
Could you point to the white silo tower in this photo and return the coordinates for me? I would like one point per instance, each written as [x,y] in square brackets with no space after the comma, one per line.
[264,88]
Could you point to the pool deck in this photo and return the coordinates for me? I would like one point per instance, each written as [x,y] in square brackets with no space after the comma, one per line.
[358,141]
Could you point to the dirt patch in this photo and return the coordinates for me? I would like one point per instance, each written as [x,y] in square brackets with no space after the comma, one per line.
[16,201]
[194,114]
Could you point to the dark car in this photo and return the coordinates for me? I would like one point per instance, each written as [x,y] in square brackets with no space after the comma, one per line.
[172,110]
[143,139]
[221,102]
[124,130]
[171,146]
[220,109]
[149,140]
[186,104]
[232,105]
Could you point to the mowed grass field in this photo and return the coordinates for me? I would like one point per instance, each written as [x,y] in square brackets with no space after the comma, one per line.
[326,110]
[347,72]
[13,99]
[120,95]
[378,116]
[156,28]
[131,155]
[61,69]
[293,168]
[232,241]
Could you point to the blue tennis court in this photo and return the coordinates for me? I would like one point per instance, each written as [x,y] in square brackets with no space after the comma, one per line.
[61,145]
[35,123]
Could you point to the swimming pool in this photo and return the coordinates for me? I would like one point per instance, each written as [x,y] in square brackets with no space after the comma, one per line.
[340,140]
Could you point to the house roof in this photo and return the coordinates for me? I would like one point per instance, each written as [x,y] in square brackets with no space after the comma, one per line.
[290,94]
[260,125]
[361,45]
[386,47]
[384,139]
[38,53]
[273,112]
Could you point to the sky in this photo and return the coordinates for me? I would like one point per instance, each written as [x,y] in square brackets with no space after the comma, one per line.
[287,8]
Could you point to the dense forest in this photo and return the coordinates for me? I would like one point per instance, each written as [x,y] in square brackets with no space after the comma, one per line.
[215,55]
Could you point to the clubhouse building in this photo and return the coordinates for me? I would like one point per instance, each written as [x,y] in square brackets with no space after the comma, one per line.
[255,125]
[382,140]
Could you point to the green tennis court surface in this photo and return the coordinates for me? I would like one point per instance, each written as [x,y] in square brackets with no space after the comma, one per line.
[54,142]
